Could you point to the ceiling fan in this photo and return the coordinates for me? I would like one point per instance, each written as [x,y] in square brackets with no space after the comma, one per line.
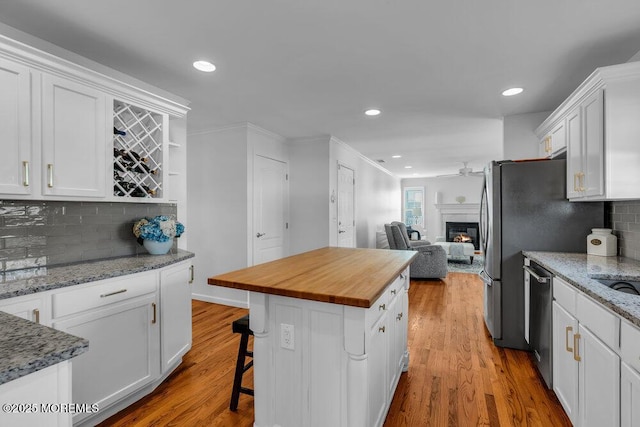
[464,171]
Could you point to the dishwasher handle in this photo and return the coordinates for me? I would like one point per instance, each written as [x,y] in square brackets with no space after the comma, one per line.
[539,278]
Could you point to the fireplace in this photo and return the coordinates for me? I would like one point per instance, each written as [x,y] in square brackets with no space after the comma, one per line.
[465,232]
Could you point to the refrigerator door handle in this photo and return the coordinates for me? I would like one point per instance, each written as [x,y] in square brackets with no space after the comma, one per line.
[485,278]
[484,233]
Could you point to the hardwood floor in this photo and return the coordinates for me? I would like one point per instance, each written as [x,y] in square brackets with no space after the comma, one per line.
[456,376]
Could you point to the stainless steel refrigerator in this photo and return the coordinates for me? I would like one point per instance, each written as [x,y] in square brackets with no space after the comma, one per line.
[524,207]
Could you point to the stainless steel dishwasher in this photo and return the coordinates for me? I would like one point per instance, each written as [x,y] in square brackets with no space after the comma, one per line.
[540,319]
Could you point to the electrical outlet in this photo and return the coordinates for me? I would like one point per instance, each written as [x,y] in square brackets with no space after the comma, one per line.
[287,336]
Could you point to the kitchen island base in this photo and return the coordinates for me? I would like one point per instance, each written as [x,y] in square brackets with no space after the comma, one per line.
[324,364]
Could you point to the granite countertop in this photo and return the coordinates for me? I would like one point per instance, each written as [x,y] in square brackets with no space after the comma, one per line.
[582,270]
[25,282]
[27,347]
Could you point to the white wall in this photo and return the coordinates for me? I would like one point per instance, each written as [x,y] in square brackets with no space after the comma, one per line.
[377,193]
[217,212]
[520,141]
[220,198]
[314,173]
[309,194]
[449,188]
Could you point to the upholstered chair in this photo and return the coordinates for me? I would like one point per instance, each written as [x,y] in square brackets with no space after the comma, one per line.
[431,262]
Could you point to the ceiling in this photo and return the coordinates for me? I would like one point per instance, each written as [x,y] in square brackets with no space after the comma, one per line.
[307,68]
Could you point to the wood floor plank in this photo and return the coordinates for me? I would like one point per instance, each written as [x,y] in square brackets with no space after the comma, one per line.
[456,376]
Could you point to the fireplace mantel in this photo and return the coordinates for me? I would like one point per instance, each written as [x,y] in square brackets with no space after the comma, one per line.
[446,208]
[456,212]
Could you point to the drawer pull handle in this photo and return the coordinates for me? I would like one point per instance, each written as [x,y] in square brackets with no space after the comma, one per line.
[576,351]
[399,316]
[381,329]
[191,278]
[153,304]
[36,315]
[113,293]
[25,168]
[566,338]
[50,175]
[382,307]
[393,291]
[402,276]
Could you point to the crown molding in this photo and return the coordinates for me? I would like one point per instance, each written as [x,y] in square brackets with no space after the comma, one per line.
[42,61]
[596,81]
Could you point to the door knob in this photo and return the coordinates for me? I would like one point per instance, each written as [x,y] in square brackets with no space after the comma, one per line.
[260,234]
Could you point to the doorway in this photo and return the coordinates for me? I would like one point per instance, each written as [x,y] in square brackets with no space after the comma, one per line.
[270,209]
[346,207]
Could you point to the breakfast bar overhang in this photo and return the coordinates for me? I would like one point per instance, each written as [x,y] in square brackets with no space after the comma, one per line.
[330,335]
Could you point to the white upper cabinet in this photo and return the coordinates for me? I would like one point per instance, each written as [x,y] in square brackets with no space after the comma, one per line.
[15,131]
[555,142]
[602,133]
[56,128]
[74,139]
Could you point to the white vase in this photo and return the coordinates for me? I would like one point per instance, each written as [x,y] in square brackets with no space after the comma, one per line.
[157,248]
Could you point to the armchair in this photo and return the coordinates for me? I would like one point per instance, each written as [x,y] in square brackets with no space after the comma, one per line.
[431,262]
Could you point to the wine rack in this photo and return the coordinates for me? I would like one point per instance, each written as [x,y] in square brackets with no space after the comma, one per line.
[137,152]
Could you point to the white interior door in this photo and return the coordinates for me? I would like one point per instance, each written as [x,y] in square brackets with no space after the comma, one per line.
[270,209]
[346,217]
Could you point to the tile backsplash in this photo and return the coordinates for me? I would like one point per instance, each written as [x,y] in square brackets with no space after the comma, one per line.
[624,218]
[42,233]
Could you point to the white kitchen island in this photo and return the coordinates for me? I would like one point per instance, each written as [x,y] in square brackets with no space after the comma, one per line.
[330,335]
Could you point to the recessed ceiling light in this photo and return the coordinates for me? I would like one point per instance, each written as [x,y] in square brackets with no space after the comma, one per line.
[408,167]
[373,112]
[397,156]
[512,91]
[205,66]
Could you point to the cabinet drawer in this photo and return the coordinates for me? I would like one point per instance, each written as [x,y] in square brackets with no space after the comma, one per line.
[393,290]
[630,345]
[604,324]
[379,307]
[102,293]
[565,295]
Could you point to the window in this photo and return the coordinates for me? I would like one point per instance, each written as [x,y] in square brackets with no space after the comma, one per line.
[413,209]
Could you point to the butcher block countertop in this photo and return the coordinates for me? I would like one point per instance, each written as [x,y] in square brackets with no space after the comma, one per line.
[346,276]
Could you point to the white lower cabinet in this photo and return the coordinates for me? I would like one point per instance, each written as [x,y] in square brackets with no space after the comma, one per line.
[32,400]
[599,382]
[340,368]
[565,367]
[124,353]
[175,298]
[630,396]
[629,375]
[586,369]
[377,366]
[30,307]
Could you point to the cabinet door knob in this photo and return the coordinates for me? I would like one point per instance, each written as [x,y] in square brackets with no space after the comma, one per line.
[381,329]
[393,291]
[382,307]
